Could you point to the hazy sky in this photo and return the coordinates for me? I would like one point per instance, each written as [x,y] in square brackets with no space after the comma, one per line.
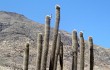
[90,16]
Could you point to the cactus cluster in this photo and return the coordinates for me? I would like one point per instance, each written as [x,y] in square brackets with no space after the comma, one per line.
[78,45]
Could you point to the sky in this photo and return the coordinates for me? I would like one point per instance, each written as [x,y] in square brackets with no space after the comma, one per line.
[90,16]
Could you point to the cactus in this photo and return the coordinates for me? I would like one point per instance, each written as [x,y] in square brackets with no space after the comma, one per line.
[57,51]
[82,49]
[26,57]
[73,61]
[52,55]
[39,51]
[61,56]
[91,53]
[46,43]
[75,48]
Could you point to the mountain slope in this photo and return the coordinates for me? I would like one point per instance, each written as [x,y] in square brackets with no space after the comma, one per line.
[16,30]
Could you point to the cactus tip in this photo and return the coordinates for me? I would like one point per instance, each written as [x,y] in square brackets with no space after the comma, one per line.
[48,16]
[59,32]
[27,45]
[81,34]
[40,33]
[57,6]
[75,31]
[90,38]
[81,31]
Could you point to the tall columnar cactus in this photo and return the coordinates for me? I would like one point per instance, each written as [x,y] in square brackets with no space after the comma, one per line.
[57,51]
[82,49]
[75,48]
[26,57]
[91,53]
[61,56]
[52,55]
[46,43]
[39,51]
[73,61]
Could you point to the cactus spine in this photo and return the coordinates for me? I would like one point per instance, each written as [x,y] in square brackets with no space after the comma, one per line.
[57,51]
[61,56]
[46,43]
[26,57]
[75,48]
[52,55]
[39,51]
[91,53]
[82,49]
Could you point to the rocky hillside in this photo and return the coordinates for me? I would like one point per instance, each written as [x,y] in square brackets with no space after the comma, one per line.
[16,30]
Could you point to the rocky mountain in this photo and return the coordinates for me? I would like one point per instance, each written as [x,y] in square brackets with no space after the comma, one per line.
[16,30]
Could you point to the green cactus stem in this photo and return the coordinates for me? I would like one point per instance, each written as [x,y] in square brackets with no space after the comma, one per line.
[73,61]
[52,55]
[26,57]
[61,56]
[91,53]
[57,51]
[46,43]
[82,49]
[39,51]
[75,48]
